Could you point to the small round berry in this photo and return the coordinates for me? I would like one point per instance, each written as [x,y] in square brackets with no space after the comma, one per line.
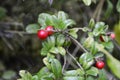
[101,38]
[112,36]
[42,34]
[100,64]
[49,29]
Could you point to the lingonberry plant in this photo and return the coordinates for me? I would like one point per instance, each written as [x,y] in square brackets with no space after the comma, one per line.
[58,33]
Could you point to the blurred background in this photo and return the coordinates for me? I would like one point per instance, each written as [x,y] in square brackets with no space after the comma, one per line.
[19,50]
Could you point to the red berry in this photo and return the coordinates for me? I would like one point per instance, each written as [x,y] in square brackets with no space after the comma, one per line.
[100,64]
[42,34]
[101,38]
[112,36]
[49,29]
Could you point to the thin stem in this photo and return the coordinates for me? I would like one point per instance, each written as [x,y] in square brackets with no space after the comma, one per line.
[78,43]
[17,32]
[64,64]
[75,60]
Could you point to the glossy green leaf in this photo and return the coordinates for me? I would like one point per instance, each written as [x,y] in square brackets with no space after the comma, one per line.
[32,28]
[69,22]
[92,71]
[108,45]
[54,50]
[42,72]
[47,62]
[87,2]
[73,32]
[62,51]
[86,60]
[74,73]
[60,40]
[56,68]
[93,49]
[88,42]
[44,20]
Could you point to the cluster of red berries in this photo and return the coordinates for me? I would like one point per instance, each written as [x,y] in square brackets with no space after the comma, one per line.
[100,64]
[44,33]
[112,36]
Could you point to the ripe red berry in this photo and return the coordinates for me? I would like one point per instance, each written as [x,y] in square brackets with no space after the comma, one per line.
[101,38]
[100,64]
[112,36]
[49,29]
[42,34]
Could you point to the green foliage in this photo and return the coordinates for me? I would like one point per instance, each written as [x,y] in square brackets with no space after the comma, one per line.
[2,13]
[88,2]
[118,6]
[32,28]
[109,9]
[55,44]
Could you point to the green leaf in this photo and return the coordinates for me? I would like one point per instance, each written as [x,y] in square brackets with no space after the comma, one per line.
[69,22]
[73,32]
[45,20]
[109,9]
[100,28]
[62,51]
[56,68]
[118,6]
[60,40]
[25,75]
[93,49]
[87,2]
[44,51]
[7,75]
[62,15]
[74,73]
[54,50]
[32,28]
[92,71]
[108,45]
[88,42]
[47,62]
[98,55]
[86,60]
[42,72]
[3,12]
[73,78]
[91,23]
[102,75]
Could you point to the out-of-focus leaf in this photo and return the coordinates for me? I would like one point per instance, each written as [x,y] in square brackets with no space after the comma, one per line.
[25,75]
[7,75]
[2,12]
[109,9]
[91,23]
[87,2]
[62,15]
[32,28]
[118,6]
[73,78]
[117,32]
[102,75]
